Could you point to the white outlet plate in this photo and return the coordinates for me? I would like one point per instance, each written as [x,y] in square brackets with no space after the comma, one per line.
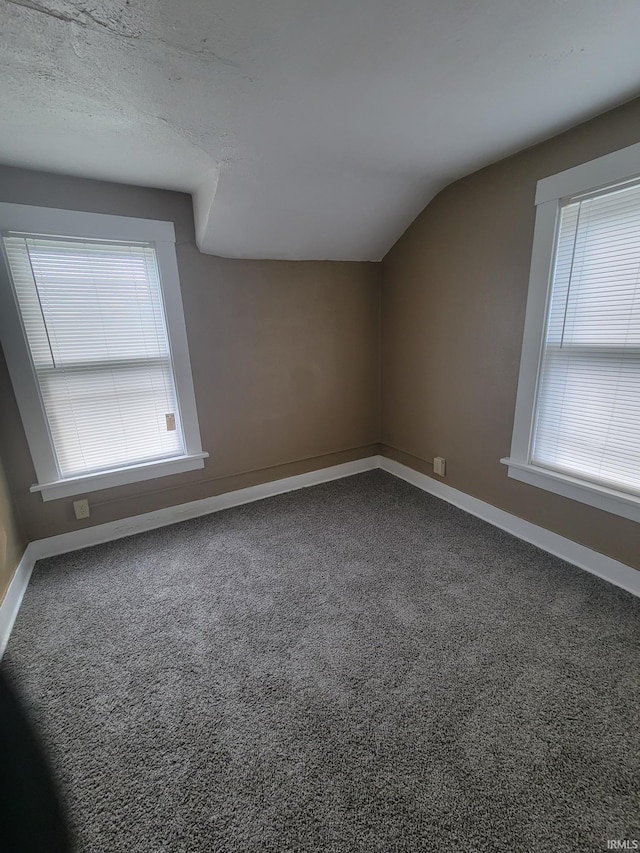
[439,465]
[81,508]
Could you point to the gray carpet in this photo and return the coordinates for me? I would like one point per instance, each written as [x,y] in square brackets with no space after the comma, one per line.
[352,667]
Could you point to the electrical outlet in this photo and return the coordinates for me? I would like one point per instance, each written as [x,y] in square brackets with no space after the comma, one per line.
[81,508]
[439,463]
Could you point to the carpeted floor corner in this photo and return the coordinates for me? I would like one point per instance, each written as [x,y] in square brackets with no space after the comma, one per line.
[352,667]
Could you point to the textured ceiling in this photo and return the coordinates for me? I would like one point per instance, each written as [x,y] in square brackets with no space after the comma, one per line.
[304,130]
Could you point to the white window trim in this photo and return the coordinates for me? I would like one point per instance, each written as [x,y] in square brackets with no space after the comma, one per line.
[604,171]
[72,223]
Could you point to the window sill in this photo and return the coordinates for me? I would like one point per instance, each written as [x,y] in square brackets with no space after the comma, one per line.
[608,499]
[119,477]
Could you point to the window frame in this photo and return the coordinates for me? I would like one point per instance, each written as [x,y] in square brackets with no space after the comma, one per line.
[600,173]
[98,226]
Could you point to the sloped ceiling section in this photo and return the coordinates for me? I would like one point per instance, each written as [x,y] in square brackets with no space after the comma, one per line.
[303,130]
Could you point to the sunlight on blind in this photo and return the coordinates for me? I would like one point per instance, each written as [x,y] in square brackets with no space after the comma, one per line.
[95,325]
[588,404]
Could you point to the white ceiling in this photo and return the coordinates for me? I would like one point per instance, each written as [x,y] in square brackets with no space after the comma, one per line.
[303,129]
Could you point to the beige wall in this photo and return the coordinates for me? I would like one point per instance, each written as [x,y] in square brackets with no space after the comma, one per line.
[12,544]
[283,355]
[453,303]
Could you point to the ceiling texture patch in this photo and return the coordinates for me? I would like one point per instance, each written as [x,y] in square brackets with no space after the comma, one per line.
[305,131]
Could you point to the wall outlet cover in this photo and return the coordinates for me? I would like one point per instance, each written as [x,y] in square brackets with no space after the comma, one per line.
[81,508]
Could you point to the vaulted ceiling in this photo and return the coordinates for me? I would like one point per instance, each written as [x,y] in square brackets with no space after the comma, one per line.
[302,129]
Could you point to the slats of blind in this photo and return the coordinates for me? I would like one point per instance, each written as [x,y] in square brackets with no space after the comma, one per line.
[94,321]
[588,403]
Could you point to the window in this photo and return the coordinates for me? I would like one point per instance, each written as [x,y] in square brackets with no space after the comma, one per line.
[577,425]
[95,341]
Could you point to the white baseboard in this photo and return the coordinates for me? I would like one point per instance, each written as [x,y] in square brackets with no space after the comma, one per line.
[13,598]
[76,539]
[585,558]
[579,555]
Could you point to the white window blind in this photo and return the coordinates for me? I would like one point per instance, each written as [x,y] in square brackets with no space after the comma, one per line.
[587,420]
[94,322]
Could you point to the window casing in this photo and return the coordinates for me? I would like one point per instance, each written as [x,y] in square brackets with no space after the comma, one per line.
[577,423]
[94,336]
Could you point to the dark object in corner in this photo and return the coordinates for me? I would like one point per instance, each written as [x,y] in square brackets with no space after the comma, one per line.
[31,817]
